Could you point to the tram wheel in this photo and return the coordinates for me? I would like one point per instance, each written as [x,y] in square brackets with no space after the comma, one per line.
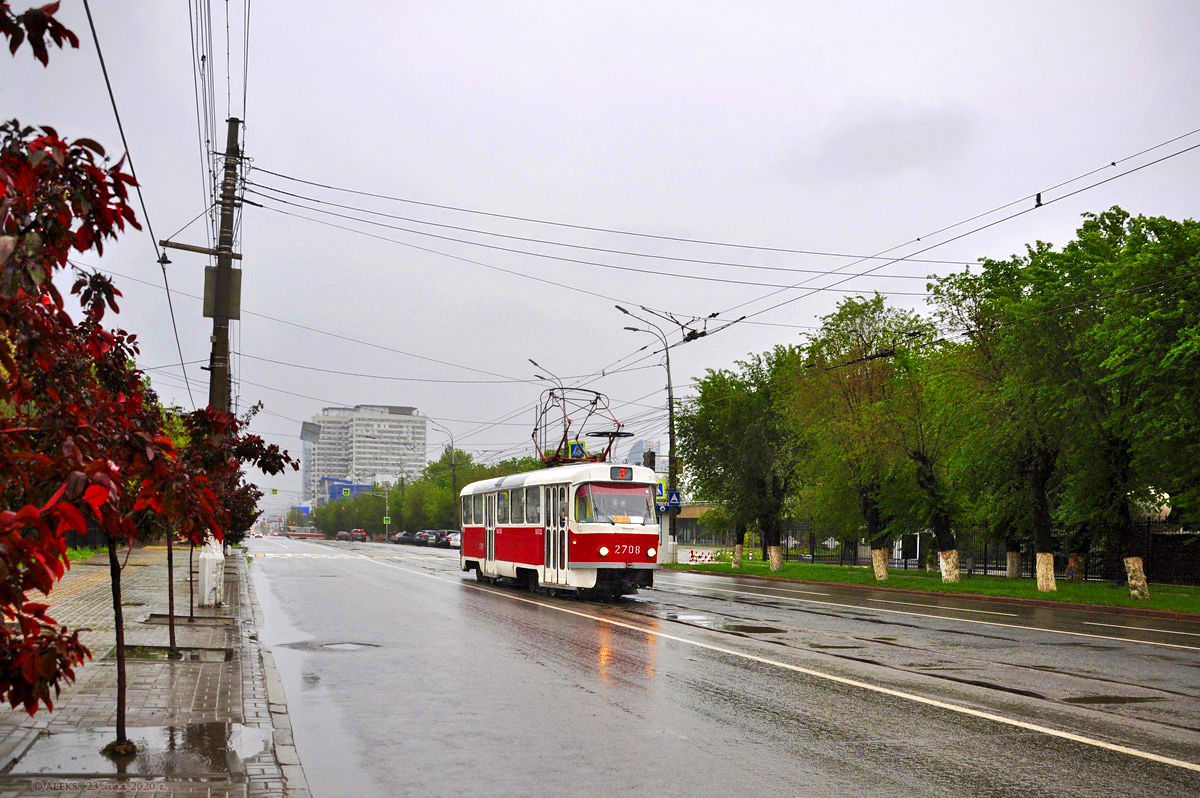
[479,577]
[531,581]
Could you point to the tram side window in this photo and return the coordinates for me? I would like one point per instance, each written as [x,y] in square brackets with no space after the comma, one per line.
[517,503]
[466,510]
[502,507]
[477,508]
[533,505]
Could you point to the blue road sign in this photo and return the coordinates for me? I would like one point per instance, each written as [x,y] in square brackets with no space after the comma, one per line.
[577,450]
[662,508]
[661,491]
[674,499]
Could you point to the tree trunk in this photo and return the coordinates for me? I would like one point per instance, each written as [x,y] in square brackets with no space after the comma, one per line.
[879,561]
[173,648]
[121,746]
[191,586]
[1045,572]
[1136,575]
[737,555]
[1075,566]
[949,564]
[775,553]
[1014,564]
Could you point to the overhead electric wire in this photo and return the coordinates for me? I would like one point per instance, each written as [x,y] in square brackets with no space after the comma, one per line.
[138,186]
[396,378]
[245,55]
[1040,204]
[534,220]
[608,250]
[614,231]
[560,258]
[326,332]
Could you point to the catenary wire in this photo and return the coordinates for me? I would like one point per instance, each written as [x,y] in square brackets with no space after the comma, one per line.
[563,259]
[137,185]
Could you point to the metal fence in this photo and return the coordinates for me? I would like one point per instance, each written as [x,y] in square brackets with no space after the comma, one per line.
[1170,556]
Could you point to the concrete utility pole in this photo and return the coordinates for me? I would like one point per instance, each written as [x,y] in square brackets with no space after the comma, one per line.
[224,293]
[222,284]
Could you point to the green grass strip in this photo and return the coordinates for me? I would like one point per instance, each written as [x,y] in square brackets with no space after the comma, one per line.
[1175,598]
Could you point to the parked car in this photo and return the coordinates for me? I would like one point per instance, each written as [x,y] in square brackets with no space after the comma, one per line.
[343,535]
[443,541]
[428,537]
[405,537]
[358,534]
[454,540]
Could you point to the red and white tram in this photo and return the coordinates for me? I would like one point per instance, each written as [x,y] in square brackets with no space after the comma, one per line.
[587,527]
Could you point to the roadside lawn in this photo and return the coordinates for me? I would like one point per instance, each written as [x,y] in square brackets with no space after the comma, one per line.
[82,553]
[1175,598]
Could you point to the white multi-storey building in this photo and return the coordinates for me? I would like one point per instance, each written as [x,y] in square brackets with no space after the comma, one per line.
[357,443]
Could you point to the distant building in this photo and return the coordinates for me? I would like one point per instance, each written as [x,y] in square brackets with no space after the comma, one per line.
[354,444]
[637,451]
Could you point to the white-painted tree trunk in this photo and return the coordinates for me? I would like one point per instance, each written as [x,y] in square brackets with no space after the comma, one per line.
[948,560]
[1045,572]
[1135,573]
[212,574]
[1014,565]
[879,561]
[737,555]
[776,555]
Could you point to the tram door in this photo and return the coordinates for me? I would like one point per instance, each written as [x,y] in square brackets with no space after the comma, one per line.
[556,507]
[489,532]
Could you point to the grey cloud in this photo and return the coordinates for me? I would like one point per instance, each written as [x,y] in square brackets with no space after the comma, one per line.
[883,143]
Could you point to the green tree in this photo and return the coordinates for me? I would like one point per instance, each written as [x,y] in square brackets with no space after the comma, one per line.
[736,447]
[841,398]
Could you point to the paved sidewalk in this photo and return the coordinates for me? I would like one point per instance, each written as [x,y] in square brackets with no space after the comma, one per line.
[214,724]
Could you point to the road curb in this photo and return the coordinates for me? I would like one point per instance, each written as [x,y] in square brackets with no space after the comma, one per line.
[1132,612]
[281,725]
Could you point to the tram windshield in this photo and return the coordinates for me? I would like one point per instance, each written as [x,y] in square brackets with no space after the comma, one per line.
[599,503]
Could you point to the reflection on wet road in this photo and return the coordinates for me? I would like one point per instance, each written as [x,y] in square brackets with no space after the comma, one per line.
[404,677]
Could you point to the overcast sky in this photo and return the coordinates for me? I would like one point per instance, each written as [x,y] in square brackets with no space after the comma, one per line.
[847,128]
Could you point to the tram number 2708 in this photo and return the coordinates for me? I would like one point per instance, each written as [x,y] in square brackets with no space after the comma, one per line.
[622,548]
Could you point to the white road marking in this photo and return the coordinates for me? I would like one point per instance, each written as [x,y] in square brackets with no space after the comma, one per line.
[933,702]
[942,607]
[931,615]
[1143,629]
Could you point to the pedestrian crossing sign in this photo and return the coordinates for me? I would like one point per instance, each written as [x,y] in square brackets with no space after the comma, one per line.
[387,520]
[661,495]
[345,491]
[577,450]
[274,491]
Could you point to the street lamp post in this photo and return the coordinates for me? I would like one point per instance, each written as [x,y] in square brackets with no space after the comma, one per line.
[672,468]
[453,468]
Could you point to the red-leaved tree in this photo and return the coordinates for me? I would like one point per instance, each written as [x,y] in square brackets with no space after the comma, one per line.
[82,437]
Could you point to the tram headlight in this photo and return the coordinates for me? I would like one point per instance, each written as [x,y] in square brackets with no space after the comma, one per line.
[653,552]
[604,551]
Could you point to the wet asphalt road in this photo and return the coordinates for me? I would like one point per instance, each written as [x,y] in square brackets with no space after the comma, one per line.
[405,677]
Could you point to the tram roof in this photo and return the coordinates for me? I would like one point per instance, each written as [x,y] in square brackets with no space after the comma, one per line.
[576,472]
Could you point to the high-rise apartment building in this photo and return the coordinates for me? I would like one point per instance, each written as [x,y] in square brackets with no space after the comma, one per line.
[357,443]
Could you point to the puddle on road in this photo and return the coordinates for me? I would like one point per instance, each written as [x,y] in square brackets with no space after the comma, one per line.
[717,625]
[159,654]
[1110,699]
[754,630]
[192,751]
[313,645]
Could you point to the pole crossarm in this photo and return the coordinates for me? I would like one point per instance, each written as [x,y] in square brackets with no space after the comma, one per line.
[193,248]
